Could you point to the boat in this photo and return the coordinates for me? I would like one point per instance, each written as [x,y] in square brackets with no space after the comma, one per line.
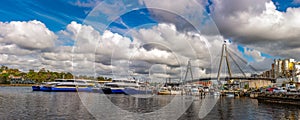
[195,90]
[176,92]
[169,92]
[164,91]
[231,93]
[68,85]
[125,86]
[36,88]
[43,86]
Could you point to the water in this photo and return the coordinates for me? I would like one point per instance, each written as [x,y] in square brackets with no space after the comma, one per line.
[22,103]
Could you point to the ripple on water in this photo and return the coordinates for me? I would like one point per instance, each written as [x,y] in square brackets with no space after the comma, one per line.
[22,103]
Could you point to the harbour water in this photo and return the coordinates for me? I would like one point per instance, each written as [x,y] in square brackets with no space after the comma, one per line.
[23,103]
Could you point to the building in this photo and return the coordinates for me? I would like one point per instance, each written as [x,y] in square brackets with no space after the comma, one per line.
[255,83]
[19,80]
[286,69]
[297,67]
[15,79]
[283,68]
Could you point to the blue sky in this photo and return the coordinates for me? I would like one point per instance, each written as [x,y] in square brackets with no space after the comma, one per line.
[282,5]
[55,14]
[59,13]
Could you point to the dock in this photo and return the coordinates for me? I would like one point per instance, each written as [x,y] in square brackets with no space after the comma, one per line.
[280,98]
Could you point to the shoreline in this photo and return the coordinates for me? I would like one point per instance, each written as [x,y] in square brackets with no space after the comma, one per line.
[16,85]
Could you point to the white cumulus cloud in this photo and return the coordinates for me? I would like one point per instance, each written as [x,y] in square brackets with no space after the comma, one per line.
[28,35]
[257,24]
[256,55]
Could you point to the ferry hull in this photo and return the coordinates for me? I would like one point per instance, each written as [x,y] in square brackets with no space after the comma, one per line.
[117,91]
[56,89]
[113,91]
[45,88]
[63,89]
[36,88]
[106,90]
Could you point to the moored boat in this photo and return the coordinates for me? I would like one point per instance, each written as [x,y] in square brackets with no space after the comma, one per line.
[125,86]
[45,86]
[36,88]
[67,85]
[164,91]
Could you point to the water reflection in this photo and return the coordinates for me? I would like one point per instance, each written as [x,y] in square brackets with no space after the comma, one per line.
[22,103]
[245,108]
[140,104]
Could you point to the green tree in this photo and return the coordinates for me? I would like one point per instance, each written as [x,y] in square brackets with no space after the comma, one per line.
[4,78]
[68,76]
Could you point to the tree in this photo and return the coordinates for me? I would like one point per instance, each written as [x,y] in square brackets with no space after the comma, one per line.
[100,78]
[4,78]
[40,76]
[3,68]
[69,76]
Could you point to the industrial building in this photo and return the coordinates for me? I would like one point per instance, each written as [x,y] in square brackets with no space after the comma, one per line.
[288,69]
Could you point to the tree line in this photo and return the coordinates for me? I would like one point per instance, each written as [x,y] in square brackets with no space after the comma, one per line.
[42,75]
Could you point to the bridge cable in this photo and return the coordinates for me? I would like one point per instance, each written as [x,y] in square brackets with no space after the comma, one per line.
[237,64]
[243,60]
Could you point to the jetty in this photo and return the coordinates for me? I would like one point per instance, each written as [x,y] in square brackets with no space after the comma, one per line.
[280,98]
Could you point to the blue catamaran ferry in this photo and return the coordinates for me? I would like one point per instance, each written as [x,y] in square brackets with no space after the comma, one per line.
[125,86]
[68,85]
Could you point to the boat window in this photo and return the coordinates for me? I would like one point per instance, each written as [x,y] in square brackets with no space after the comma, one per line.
[115,81]
[66,85]
[112,85]
[70,81]
[80,81]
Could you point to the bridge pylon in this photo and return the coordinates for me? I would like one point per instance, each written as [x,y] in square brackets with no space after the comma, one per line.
[188,69]
[225,55]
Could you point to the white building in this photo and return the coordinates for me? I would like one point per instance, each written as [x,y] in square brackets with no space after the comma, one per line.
[297,67]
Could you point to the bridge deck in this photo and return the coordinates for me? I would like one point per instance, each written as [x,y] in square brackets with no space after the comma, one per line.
[233,78]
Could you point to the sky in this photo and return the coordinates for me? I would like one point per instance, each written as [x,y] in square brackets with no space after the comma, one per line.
[146,39]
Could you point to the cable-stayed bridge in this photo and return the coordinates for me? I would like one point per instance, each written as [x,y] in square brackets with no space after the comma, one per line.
[233,61]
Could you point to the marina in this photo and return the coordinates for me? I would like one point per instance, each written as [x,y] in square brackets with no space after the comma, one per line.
[133,87]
